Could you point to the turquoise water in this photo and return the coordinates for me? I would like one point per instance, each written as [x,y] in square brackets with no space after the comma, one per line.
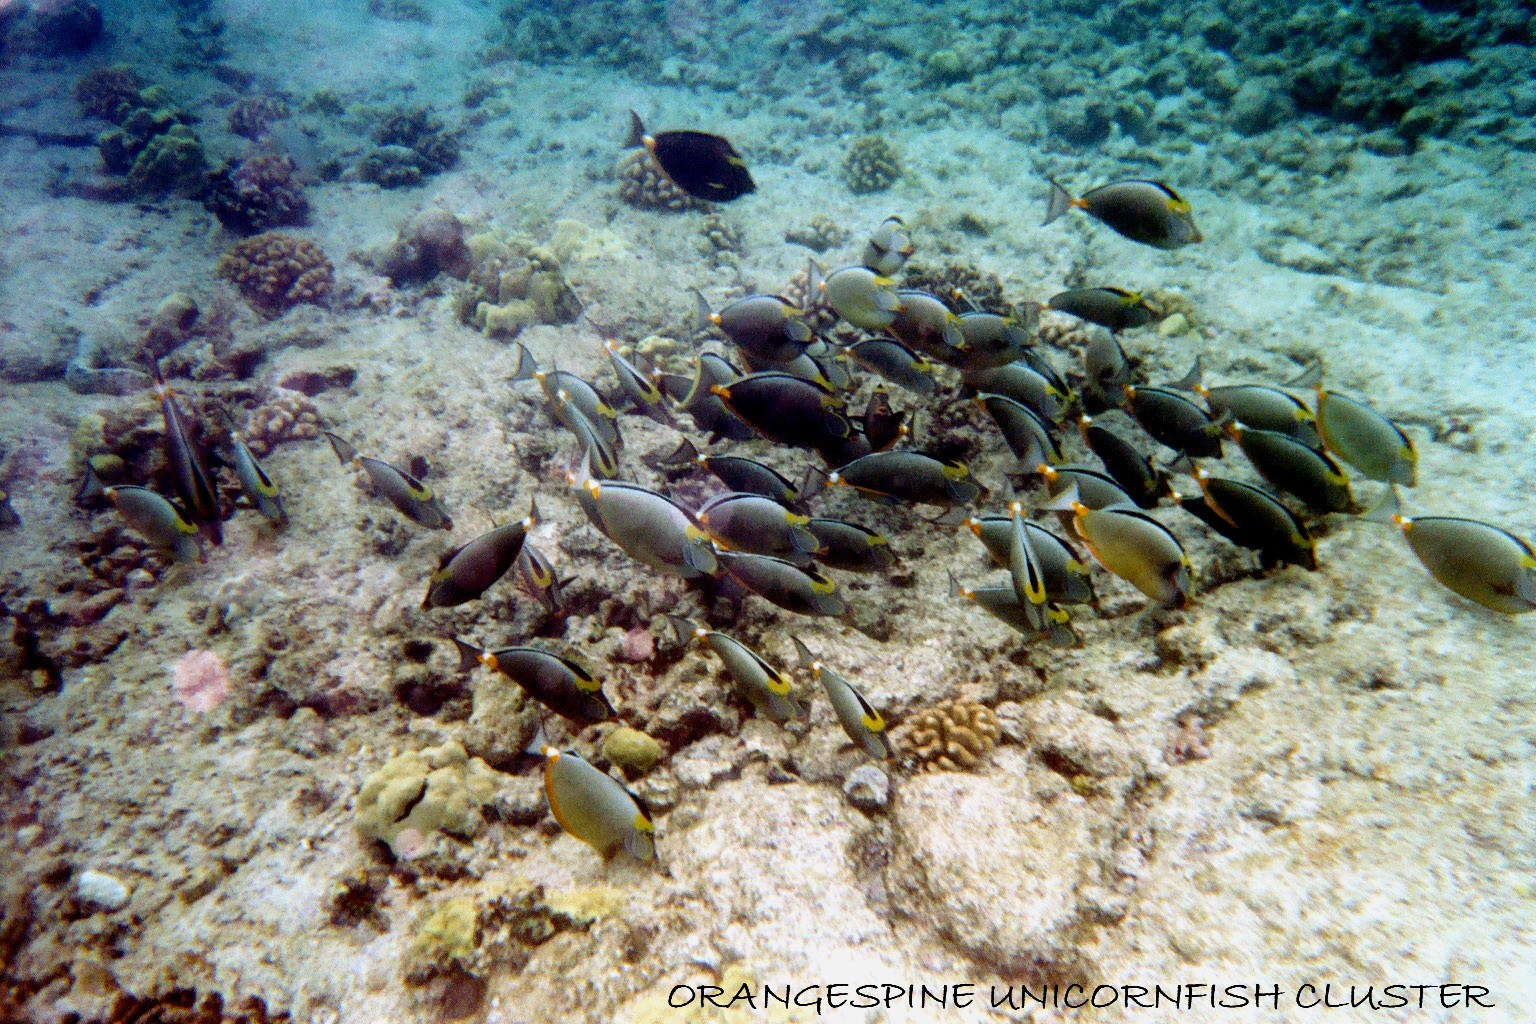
[255,779]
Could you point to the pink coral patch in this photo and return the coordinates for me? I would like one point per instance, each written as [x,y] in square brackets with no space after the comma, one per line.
[637,645]
[201,681]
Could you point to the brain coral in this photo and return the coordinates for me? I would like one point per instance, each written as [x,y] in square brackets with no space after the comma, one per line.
[275,271]
[949,737]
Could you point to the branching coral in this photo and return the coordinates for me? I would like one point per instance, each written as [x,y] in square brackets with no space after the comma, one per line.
[412,144]
[642,184]
[153,145]
[949,737]
[256,193]
[275,272]
[871,165]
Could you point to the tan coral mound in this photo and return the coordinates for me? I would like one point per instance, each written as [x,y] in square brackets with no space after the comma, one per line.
[642,184]
[275,271]
[950,737]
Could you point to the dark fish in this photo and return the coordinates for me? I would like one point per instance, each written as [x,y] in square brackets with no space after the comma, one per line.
[193,483]
[1480,562]
[988,340]
[883,426]
[1003,605]
[1024,384]
[742,521]
[1108,372]
[698,400]
[158,520]
[793,588]
[469,571]
[860,721]
[259,488]
[1143,211]
[909,476]
[851,547]
[558,683]
[1113,309]
[1028,436]
[1095,488]
[1062,570]
[764,327]
[737,473]
[1366,439]
[925,324]
[1132,545]
[704,166]
[1132,470]
[756,680]
[9,520]
[411,498]
[786,409]
[1293,468]
[895,362]
[1256,405]
[640,389]
[1256,520]
[650,527]
[539,574]
[1174,421]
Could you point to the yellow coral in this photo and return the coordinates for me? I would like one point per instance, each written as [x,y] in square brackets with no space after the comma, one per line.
[949,737]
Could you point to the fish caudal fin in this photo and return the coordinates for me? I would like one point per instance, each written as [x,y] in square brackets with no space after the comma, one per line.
[1058,204]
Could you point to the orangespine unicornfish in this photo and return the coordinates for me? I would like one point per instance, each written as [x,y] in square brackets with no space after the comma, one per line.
[764,327]
[1256,406]
[537,571]
[1095,488]
[742,521]
[803,366]
[889,248]
[1252,519]
[703,165]
[1482,563]
[696,397]
[1108,372]
[1027,435]
[765,687]
[410,497]
[925,324]
[864,298]
[883,426]
[1174,421]
[1003,605]
[1132,470]
[1366,439]
[1114,309]
[566,394]
[737,472]
[909,476]
[637,387]
[839,451]
[158,520]
[1024,569]
[851,547]
[596,808]
[1143,211]
[862,724]
[1133,546]
[1036,360]
[651,528]
[1062,571]
[469,571]
[988,340]
[259,488]
[9,520]
[605,461]
[1291,467]
[895,362]
[786,409]
[1024,384]
[192,482]
[559,684]
[802,590]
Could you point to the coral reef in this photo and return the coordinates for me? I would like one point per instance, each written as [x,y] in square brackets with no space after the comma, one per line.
[819,235]
[870,165]
[431,243]
[275,272]
[253,116]
[257,193]
[512,284]
[811,301]
[416,796]
[949,737]
[642,184]
[412,145]
[110,93]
